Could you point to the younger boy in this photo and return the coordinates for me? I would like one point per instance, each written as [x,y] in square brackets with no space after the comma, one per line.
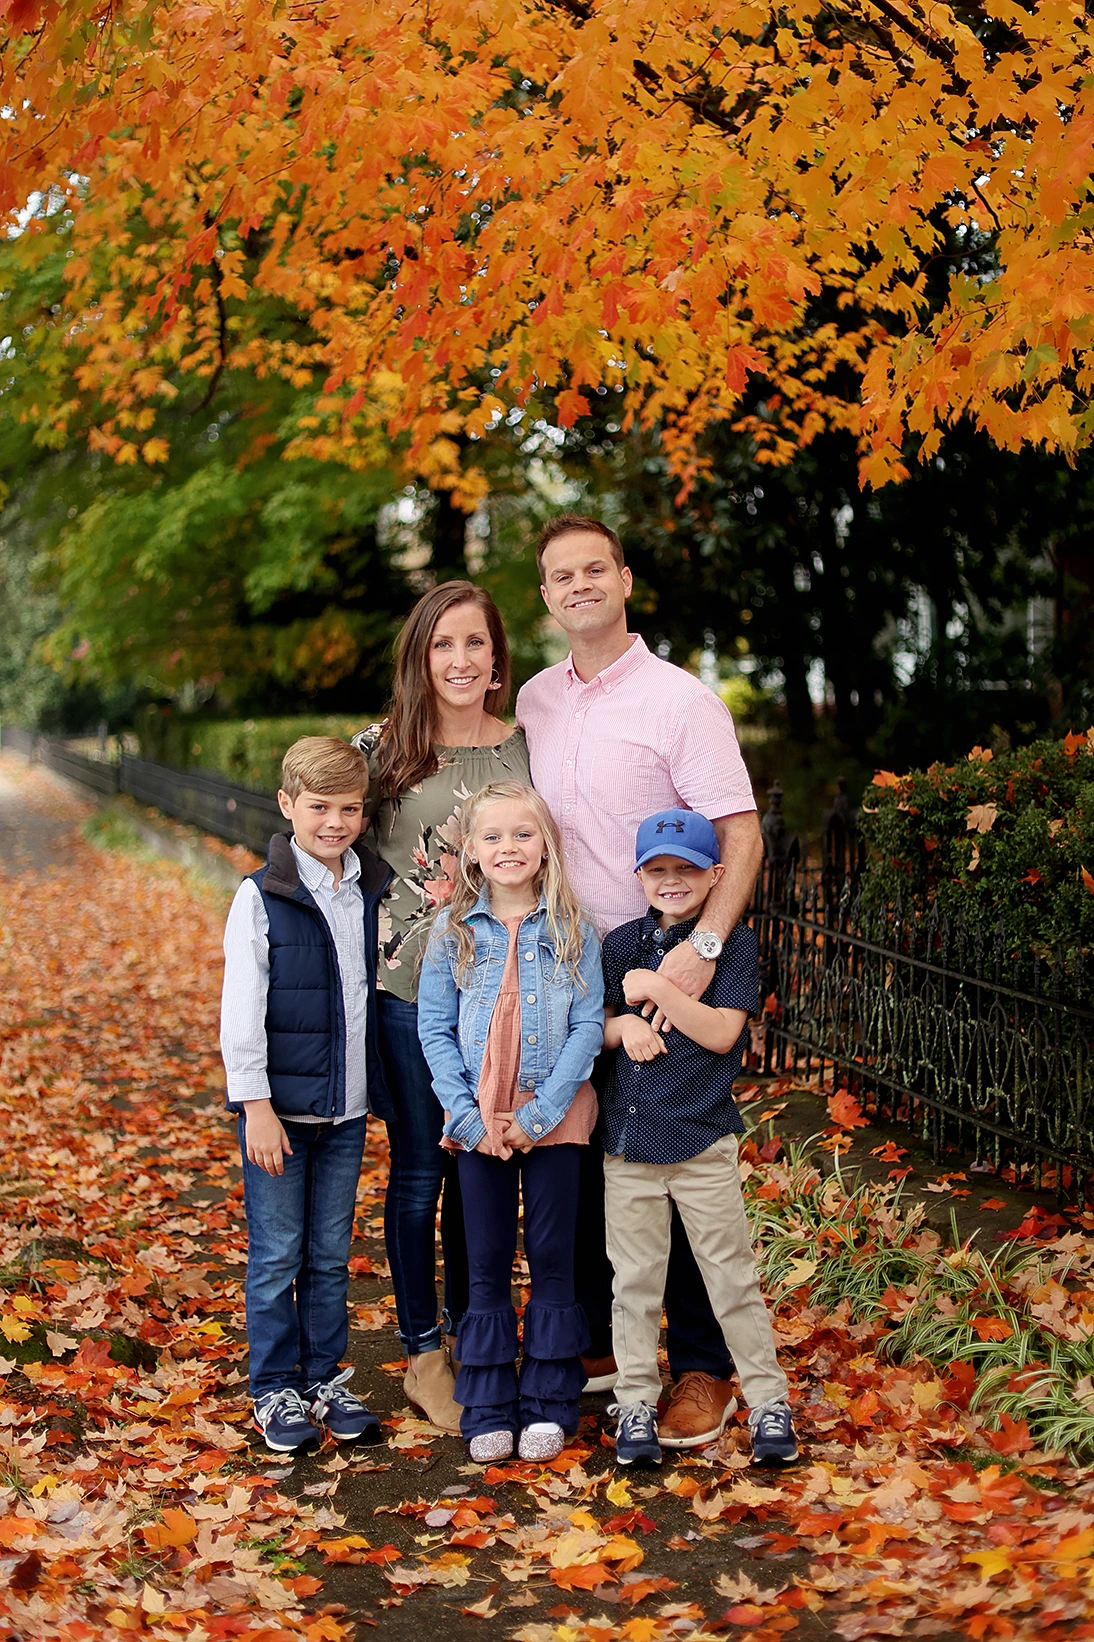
[670,1134]
[298,1036]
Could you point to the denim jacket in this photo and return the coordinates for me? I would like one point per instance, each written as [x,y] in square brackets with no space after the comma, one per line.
[561,1024]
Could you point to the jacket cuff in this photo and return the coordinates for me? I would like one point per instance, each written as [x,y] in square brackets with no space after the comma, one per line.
[467,1131]
[534,1120]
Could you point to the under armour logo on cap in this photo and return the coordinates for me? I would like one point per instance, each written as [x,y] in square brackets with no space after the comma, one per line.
[691,838]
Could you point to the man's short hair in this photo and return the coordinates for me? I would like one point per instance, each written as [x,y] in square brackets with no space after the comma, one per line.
[566,524]
[323,764]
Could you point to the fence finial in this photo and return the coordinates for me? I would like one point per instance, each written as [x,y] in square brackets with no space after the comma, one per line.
[773,825]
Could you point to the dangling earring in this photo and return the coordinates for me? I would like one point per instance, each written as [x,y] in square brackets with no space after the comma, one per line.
[495,681]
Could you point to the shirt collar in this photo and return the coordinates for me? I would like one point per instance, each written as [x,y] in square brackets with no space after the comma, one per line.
[314,875]
[651,933]
[621,668]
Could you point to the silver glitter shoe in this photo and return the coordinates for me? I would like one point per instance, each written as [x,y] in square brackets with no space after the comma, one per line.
[489,1446]
[543,1445]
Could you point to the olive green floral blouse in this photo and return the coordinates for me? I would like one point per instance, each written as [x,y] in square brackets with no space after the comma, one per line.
[418,837]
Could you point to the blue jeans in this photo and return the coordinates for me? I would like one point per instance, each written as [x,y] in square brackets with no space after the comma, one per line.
[493,1396]
[299,1226]
[419,1170]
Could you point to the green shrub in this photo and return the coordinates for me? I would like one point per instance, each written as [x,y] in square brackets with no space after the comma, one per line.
[1004,842]
[248,750]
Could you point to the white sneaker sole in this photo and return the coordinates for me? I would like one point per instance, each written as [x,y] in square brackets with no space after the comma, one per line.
[308,1446]
[704,1436]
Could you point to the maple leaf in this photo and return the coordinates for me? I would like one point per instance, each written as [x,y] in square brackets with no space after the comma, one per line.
[583,1576]
[845,1110]
[1088,880]
[886,778]
[176,1528]
[981,817]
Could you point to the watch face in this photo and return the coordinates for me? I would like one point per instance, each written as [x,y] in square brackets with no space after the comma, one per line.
[706,943]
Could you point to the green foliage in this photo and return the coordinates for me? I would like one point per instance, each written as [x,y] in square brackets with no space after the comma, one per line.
[942,1305]
[212,568]
[1005,840]
[249,750]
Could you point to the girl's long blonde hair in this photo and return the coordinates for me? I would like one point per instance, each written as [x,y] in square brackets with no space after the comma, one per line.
[563,911]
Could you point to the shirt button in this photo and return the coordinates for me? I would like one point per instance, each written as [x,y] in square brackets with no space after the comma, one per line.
[538,1127]
[631,1108]
[528,956]
[532,1038]
[530,997]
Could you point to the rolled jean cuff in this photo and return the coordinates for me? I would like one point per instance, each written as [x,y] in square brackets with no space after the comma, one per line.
[419,1344]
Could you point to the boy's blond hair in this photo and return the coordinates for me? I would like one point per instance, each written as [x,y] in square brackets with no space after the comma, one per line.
[323,764]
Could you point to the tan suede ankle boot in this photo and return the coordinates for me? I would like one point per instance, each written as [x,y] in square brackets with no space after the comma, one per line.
[450,1344]
[429,1387]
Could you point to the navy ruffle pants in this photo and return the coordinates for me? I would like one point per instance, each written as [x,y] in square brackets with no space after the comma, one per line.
[493,1395]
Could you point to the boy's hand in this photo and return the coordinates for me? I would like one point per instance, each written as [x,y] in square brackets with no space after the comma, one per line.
[642,986]
[640,1040]
[685,969]
[267,1142]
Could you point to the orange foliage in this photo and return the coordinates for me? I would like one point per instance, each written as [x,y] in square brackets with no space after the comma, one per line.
[646,196]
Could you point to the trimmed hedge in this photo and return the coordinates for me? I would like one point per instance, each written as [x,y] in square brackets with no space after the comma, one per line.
[1004,841]
[248,750]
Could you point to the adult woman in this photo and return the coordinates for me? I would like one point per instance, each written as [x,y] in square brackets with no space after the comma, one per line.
[441,742]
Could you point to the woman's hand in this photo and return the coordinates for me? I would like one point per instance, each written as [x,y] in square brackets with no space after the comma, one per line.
[266,1141]
[640,1040]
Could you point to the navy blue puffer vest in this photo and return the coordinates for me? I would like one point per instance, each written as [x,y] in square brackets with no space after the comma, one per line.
[305,1015]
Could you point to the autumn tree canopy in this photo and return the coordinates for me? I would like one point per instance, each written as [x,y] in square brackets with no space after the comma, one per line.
[875,212]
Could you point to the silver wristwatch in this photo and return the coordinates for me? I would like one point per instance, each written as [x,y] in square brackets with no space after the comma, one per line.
[706,943]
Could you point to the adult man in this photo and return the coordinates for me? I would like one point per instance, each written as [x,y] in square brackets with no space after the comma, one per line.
[616,734]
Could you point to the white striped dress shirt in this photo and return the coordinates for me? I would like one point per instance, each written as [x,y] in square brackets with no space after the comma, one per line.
[247,980]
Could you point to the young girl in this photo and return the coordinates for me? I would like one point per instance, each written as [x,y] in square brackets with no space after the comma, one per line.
[510,1015]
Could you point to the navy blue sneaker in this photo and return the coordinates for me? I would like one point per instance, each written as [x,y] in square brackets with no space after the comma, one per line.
[344,1415]
[773,1439]
[636,1435]
[282,1418]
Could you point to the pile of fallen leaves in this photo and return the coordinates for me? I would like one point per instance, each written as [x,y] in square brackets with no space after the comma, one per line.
[933,1499]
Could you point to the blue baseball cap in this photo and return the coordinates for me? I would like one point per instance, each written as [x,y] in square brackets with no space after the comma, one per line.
[683,833]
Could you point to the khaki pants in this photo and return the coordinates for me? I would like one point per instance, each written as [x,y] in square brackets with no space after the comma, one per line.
[638,1200]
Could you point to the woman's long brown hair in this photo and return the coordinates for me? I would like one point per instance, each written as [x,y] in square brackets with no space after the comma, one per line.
[404,750]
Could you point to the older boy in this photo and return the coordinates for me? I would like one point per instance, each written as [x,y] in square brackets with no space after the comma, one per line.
[298,1036]
[670,1135]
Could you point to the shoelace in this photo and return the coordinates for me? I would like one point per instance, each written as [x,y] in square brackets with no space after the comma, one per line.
[770,1419]
[287,1405]
[637,1421]
[331,1391]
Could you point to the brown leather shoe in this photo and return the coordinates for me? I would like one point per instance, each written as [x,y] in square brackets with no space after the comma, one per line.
[699,1407]
[601,1373]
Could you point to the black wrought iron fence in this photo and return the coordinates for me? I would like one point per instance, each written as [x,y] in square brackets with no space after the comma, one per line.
[931,1023]
[199,798]
[203,799]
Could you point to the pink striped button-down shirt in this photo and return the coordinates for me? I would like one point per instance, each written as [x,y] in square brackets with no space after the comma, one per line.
[641,736]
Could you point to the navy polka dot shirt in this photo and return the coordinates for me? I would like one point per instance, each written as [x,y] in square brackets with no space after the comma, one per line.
[673,1107]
